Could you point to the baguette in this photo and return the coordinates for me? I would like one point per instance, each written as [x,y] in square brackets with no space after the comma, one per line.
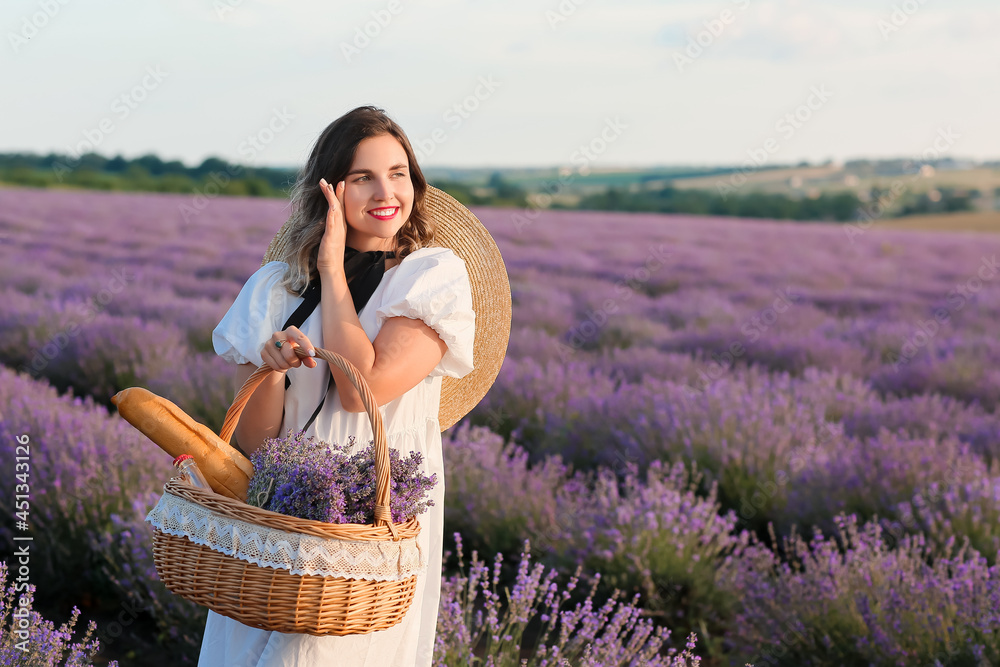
[175,432]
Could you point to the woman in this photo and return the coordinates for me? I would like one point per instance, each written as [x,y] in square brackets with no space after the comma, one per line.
[400,310]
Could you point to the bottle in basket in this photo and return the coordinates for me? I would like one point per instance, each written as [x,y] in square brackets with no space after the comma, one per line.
[190,473]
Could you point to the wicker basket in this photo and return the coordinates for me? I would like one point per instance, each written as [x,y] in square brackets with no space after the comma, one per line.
[275,599]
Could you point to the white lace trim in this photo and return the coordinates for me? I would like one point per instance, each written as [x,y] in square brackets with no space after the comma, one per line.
[383,560]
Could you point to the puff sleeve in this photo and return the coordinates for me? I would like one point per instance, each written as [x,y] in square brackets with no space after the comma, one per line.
[432,285]
[259,311]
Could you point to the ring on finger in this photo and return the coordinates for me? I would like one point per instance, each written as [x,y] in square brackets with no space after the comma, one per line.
[279,343]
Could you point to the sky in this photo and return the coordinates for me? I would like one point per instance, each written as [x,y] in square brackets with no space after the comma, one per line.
[519,83]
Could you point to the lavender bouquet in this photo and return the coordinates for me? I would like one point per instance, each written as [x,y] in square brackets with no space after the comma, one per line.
[312,479]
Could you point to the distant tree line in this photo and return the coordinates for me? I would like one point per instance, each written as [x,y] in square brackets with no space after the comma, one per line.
[843,205]
[496,192]
[214,175]
[147,173]
[151,174]
[941,200]
[752,204]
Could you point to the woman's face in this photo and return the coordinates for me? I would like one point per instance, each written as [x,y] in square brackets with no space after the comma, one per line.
[378,193]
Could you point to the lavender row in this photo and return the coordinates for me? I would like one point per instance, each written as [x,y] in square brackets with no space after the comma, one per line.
[96,478]
[657,537]
[910,312]
[862,594]
[32,640]
[674,386]
[93,479]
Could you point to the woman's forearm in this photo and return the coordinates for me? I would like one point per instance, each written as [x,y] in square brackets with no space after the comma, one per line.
[261,417]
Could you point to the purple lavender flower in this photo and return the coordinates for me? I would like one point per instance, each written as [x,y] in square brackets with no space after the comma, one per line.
[311,479]
[472,613]
[44,645]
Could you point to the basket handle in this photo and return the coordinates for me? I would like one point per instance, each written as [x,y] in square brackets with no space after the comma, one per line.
[382,514]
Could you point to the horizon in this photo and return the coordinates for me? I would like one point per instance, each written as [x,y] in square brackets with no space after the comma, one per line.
[603,168]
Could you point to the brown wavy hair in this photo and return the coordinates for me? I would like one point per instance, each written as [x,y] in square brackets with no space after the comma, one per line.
[331,159]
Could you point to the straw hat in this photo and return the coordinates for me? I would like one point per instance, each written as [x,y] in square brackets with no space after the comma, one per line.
[457,228]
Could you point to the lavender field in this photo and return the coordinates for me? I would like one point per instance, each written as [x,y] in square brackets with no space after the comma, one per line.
[783,438]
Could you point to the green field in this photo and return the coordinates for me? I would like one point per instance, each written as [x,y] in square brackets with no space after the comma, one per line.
[974,221]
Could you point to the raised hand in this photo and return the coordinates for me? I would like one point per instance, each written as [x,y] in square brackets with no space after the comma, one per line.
[331,247]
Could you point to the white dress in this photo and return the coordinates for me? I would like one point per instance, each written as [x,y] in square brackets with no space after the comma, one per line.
[430,284]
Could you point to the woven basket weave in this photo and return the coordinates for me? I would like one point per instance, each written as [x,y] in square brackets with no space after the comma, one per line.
[274,599]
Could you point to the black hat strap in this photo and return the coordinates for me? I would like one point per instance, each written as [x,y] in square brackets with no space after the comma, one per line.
[364,271]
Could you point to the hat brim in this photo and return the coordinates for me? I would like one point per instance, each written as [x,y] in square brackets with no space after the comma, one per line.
[458,229]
